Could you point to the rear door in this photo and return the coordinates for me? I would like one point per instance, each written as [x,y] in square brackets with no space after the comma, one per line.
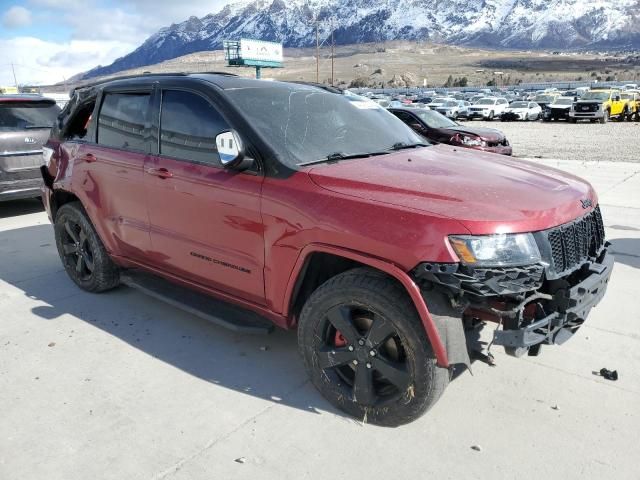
[24,128]
[108,170]
[205,220]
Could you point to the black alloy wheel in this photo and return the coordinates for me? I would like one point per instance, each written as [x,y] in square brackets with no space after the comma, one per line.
[81,251]
[363,350]
[77,250]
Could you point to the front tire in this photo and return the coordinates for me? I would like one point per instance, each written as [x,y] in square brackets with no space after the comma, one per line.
[365,349]
[605,117]
[82,253]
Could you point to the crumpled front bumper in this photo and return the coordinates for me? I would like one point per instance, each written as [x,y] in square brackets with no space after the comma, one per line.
[559,326]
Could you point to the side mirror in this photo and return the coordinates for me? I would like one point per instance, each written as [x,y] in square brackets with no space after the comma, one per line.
[231,151]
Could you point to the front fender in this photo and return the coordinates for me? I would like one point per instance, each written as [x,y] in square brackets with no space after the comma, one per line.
[431,329]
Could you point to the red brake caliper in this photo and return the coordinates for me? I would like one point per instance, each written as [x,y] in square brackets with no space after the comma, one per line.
[339,340]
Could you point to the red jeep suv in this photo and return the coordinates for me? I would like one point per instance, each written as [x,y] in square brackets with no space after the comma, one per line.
[253,203]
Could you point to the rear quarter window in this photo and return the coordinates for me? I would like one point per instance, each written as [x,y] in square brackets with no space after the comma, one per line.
[121,123]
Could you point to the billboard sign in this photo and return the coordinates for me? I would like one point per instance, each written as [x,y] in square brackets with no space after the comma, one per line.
[259,50]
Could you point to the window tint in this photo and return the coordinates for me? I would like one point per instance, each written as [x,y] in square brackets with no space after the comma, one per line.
[405,117]
[189,125]
[121,121]
[25,115]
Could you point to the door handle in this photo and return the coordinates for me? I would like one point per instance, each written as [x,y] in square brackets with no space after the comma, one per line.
[160,172]
[89,158]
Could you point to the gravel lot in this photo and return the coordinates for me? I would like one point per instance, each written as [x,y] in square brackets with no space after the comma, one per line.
[565,141]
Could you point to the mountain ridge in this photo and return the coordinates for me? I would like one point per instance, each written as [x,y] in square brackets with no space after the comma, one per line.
[522,24]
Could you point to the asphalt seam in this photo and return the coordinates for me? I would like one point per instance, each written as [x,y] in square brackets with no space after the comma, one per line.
[212,443]
[621,182]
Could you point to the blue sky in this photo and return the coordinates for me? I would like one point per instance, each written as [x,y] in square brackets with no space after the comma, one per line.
[50,40]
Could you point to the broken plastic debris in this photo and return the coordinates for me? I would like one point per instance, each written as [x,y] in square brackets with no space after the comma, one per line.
[477,448]
[52,344]
[240,460]
[607,374]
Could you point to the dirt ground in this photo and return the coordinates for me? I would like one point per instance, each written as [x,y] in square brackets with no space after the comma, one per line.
[565,141]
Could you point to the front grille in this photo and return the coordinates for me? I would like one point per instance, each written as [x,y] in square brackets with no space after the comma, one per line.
[587,107]
[572,244]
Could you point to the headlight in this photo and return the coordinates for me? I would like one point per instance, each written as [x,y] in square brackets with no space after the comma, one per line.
[471,141]
[496,250]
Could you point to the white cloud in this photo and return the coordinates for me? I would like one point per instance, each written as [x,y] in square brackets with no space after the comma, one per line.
[98,35]
[113,24]
[40,62]
[16,17]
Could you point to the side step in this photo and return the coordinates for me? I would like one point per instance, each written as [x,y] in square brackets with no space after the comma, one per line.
[208,308]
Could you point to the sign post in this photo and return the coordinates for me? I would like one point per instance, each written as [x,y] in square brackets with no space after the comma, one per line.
[253,53]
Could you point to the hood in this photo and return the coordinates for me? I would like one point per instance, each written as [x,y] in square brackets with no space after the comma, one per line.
[560,107]
[489,134]
[486,193]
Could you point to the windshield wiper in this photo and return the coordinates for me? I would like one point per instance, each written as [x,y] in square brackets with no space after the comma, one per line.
[403,146]
[334,157]
[37,126]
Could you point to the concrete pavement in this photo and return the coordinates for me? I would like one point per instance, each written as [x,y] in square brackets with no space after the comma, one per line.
[118,386]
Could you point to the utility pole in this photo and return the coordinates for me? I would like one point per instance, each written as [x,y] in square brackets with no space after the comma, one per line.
[317,54]
[332,53]
[14,76]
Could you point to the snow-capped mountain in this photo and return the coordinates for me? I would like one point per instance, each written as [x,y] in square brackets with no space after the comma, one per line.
[492,23]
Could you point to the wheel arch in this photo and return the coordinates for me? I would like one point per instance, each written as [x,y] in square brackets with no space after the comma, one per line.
[305,279]
[59,198]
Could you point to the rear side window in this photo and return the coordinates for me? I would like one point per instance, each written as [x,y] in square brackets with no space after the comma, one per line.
[27,115]
[121,123]
[189,125]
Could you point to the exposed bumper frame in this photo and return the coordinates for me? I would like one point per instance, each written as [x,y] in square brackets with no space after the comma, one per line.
[558,327]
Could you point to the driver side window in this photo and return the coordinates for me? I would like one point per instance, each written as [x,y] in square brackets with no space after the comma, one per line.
[189,125]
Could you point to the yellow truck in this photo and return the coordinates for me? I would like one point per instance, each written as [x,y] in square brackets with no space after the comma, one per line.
[599,105]
[633,101]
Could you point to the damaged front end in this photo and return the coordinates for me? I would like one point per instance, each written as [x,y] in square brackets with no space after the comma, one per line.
[540,303]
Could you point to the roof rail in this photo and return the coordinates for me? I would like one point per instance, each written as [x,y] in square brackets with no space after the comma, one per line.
[212,73]
[149,74]
[328,88]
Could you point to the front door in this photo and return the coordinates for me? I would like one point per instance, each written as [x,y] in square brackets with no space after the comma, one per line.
[205,220]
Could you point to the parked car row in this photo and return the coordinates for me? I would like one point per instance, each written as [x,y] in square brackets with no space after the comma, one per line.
[600,104]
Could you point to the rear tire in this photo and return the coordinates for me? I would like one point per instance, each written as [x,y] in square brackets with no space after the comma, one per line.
[351,315]
[82,253]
